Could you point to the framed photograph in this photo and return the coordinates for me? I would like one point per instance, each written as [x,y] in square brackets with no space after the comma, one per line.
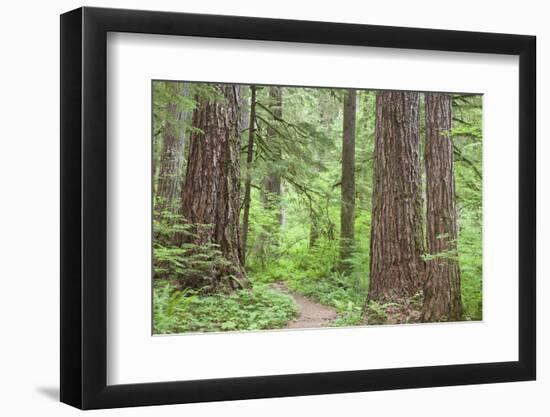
[257,208]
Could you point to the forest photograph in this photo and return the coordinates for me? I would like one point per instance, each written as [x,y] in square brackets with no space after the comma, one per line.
[281,207]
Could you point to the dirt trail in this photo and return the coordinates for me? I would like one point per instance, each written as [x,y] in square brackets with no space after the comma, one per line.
[311,314]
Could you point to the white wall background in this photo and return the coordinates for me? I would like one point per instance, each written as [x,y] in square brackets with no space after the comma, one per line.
[29,225]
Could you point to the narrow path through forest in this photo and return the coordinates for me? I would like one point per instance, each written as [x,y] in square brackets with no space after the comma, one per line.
[311,314]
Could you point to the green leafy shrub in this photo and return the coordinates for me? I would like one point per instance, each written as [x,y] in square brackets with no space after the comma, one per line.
[470,248]
[249,309]
[187,264]
[168,305]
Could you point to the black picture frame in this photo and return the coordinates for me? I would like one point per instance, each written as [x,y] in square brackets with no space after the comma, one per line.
[84,207]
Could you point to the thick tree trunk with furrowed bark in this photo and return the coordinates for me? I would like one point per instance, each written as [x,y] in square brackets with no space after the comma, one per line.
[442,298]
[211,193]
[396,266]
[347,212]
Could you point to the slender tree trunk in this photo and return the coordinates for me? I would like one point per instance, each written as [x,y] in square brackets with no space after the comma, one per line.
[169,162]
[211,194]
[313,226]
[272,183]
[442,298]
[271,191]
[396,266]
[248,180]
[347,213]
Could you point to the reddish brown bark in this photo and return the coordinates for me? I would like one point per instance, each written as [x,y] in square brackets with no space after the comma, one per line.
[396,266]
[347,212]
[211,191]
[442,298]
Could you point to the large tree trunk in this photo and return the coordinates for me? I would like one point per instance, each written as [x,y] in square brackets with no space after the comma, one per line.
[347,213]
[248,180]
[442,299]
[396,266]
[211,194]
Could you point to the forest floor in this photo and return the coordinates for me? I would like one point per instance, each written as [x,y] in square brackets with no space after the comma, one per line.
[311,314]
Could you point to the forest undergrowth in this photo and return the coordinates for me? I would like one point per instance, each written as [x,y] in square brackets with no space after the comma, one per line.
[309,272]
